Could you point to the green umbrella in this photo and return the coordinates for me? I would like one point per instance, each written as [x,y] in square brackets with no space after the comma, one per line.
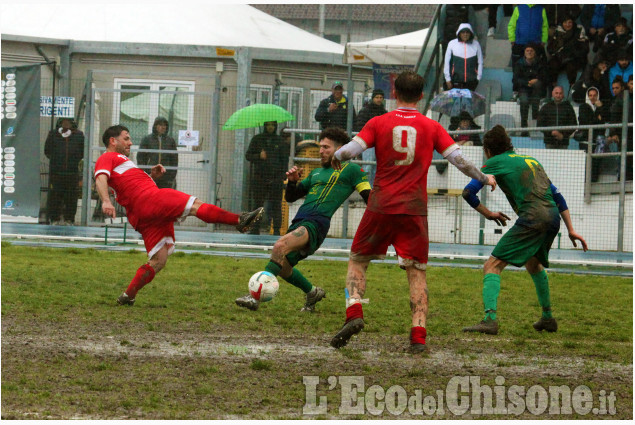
[256,115]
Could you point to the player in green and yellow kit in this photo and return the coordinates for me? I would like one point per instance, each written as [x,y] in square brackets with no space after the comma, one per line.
[325,190]
[537,203]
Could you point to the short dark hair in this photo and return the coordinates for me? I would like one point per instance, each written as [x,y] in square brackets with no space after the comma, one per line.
[409,86]
[336,134]
[496,141]
[113,131]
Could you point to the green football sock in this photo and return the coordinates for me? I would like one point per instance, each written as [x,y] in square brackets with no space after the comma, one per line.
[273,268]
[542,290]
[298,280]
[491,289]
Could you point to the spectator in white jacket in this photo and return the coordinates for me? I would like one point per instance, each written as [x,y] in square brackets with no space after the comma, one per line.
[463,60]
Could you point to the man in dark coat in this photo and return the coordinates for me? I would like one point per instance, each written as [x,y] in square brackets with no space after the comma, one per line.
[528,80]
[373,109]
[620,40]
[269,157]
[333,111]
[557,112]
[64,147]
[159,139]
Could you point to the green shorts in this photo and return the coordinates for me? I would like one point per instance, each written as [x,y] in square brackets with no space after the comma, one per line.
[522,242]
[317,233]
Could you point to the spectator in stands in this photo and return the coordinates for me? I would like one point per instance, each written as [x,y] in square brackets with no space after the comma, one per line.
[481,23]
[568,49]
[617,109]
[161,140]
[528,24]
[465,122]
[455,15]
[555,14]
[463,64]
[508,9]
[623,68]
[598,20]
[593,112]
[64,147]
[595,75]
[268,154]
[333,111]
[617,41]
[529,84]
[557,112]
[373,109]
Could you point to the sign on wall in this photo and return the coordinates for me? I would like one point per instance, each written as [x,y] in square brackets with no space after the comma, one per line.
[20,156]
[64,106]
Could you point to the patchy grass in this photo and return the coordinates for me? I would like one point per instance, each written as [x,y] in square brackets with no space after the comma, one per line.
[186,351]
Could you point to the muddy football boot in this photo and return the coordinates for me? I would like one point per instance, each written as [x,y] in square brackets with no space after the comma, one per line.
[417,348]
[248,302]
[549,325]
[314,296]
[124,299]
[348,330]
[488,326]
[247,219]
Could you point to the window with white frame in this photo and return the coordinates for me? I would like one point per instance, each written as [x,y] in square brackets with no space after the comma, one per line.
[138,110]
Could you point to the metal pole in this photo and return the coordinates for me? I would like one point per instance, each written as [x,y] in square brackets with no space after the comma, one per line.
[481,220]
[53,97]
[322,13]
[90,98]
[213,146]
[620,213]
[589,168]
[350,92]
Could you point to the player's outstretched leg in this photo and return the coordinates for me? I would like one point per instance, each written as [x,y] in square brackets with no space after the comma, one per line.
[356,285]
[248,219]
[212,214]
[144,275]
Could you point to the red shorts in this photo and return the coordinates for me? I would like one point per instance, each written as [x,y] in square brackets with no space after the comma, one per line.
[407,233]
[154,215]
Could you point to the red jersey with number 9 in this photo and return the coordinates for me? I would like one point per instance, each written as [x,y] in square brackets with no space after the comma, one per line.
[403,140]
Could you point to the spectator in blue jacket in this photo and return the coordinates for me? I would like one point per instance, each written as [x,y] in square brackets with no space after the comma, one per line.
[598,20]
[623,68]
[528,24]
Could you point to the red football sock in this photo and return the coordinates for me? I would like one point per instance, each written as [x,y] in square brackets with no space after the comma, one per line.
[212,214]
[144,275]
[418,335]
[354,312]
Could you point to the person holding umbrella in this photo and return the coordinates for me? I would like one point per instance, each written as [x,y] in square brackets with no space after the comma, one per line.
[268,154]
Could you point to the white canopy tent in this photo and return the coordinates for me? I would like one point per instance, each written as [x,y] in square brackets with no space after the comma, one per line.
[403,49]
[186,22]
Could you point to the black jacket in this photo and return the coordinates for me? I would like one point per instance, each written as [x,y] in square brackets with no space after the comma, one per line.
[336,118]
[555,13]
[369,111]
[64,153]
[613,44]
[268,174]
[592,78]
[147,160]
[524,72]
[569,46]
[455,15]
[587,116]
[554,114]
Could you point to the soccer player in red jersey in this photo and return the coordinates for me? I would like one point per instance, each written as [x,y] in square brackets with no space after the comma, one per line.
[150,210]
[396,214]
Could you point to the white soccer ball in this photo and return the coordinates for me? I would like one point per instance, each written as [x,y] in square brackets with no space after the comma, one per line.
[263,286]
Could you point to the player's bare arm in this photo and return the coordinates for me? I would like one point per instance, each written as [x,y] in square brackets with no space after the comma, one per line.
[455,157]
[157,171]
[563,208]
[498,217]
[101,183]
